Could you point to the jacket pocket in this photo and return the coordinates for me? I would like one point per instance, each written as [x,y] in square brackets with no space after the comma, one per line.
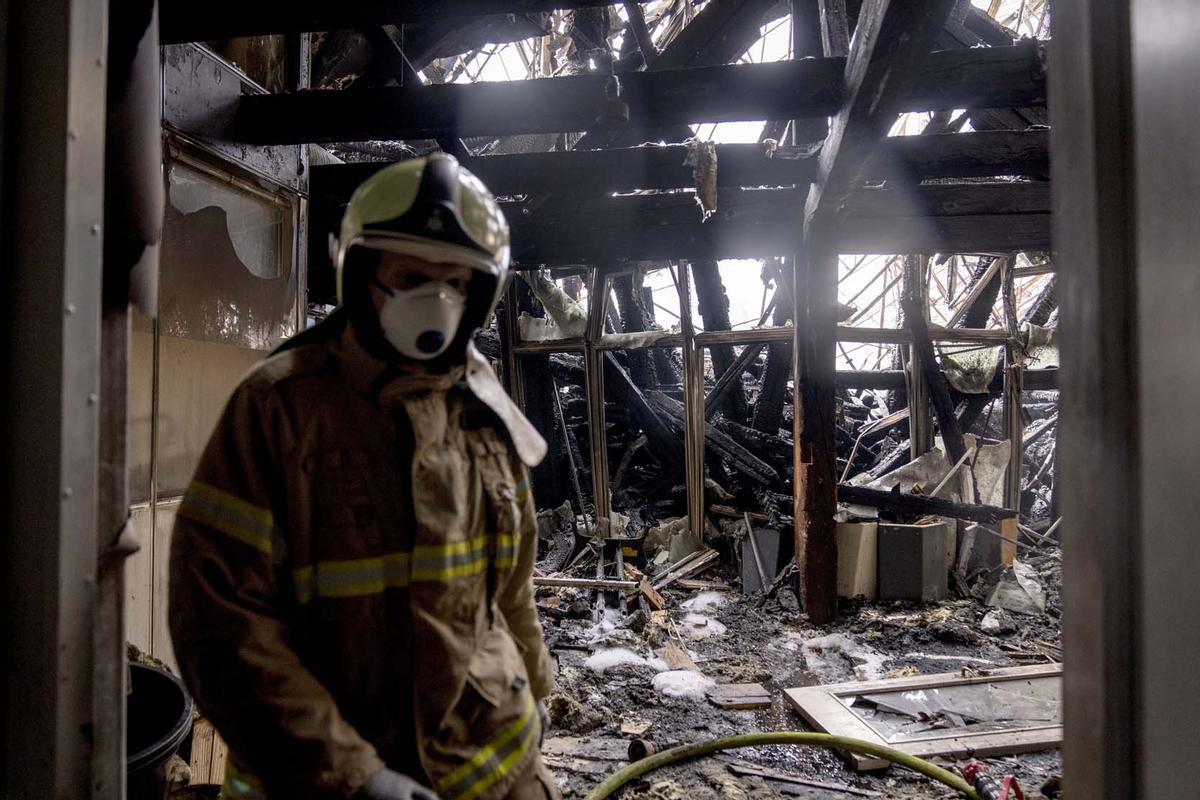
[496,671]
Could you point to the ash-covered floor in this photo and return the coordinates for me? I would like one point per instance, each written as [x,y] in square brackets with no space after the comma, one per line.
[612,677]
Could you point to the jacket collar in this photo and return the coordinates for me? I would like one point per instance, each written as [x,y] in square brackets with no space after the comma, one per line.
[388,385]
[383,383]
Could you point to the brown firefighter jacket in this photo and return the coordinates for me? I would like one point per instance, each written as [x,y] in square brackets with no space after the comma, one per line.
[351,582]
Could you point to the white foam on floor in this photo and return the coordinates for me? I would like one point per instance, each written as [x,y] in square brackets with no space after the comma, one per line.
[705,601]
[683,683]
[831,657]
[617,656]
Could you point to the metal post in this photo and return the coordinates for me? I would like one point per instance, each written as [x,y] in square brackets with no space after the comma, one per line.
[53,195]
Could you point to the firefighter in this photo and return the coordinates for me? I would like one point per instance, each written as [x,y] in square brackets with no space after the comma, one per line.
[351,571]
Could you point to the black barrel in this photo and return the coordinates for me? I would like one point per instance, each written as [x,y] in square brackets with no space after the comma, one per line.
[160,719]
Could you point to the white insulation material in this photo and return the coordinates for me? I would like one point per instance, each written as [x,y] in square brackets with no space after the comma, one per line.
[604,660]
[704,602]
[684,683]
[832,657]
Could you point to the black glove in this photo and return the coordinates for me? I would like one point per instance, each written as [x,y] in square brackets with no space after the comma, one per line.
[389,785]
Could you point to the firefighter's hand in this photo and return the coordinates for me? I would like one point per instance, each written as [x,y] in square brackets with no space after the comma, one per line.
[389,785]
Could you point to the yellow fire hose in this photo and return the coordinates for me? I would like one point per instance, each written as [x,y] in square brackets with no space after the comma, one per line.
[686,751]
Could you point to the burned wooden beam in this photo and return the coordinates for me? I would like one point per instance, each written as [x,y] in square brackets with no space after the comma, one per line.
[758,224]
[719,34]
[768,409]
[736,456]
[902,503]
[889,379]
[661,167]
[754,224]
[995,76]
[887,59]
[182,21]
[713,304]
[939,389]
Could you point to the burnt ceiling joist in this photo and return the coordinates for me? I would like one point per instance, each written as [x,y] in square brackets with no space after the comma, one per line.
[188,21]
[936,218]
[595,172]
[990,77]
[962,218]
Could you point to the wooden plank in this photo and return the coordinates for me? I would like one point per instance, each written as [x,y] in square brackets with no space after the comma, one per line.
[676,657]
[653,598]
[181,21]
[807,88]
[203,734]
[694,564]
[209,754]
[739,696]
[1008,540]
[220,757]
[585,583]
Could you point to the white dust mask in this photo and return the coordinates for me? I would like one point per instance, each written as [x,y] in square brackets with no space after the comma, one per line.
[421,322]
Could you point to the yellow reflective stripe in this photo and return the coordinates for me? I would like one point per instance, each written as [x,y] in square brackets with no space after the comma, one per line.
[449,561]
[506,552]
[239,785]
[426,564]
[229,514]
[494,760]
[522,490]
[355,578]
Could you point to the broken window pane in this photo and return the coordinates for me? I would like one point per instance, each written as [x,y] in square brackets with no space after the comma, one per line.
[227,297]
[936,712]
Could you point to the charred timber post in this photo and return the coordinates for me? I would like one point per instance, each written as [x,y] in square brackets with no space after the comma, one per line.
[890,47]
[939,389]
[534,390]
[768,409]
[1014,424]
[729,377]
[633,320]
[814,428]
[593,368]
[693,408]
[920,432]
[713,304]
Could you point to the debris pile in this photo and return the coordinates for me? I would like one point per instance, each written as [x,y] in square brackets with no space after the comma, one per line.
[641,669]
